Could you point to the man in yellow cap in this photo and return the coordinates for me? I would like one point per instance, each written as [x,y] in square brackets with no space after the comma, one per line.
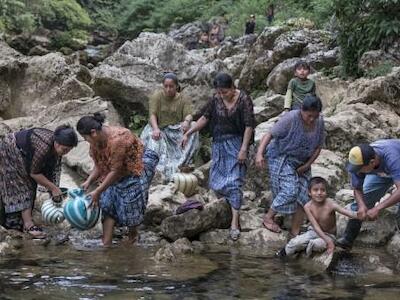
[373,168]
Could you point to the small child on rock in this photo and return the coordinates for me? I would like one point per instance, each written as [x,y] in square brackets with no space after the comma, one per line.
[299,87]
[321,212]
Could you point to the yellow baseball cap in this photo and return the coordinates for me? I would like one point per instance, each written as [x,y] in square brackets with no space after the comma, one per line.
[359,156]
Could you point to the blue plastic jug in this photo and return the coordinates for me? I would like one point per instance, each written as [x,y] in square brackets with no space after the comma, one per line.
[77,211]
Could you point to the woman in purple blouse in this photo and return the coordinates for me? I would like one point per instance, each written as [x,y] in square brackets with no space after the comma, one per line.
[294,143]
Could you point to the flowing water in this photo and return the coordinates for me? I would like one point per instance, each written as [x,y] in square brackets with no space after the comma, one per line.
[62,272]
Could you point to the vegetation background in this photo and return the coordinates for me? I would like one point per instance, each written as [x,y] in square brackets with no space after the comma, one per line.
[361,25]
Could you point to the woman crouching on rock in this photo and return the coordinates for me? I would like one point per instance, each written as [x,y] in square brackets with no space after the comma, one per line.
[231,117]
[124,172]
[27,158]
[170,116]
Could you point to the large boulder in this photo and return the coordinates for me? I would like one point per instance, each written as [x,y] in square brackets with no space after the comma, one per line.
[136,69]
[266,107]
[330,91]
[32,84]
[330,165]
[385,89]
[374,59]
[280,76]
[259,61]
[375,233]
[193,222]
[188,34]
[275,46]
[360,123]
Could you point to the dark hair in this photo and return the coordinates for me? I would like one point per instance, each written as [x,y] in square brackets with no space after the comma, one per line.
[174,78]
[311,103]
[86,124]
[302,64]
[223,81]
[65,135]
[317,180]
[171,76]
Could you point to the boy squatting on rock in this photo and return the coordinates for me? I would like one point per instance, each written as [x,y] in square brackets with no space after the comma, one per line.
[321,212]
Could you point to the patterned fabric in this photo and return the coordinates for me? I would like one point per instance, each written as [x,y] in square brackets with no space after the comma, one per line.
[290,137]
[37,146]
[122,152]
[17,189]
[169,110]
[169,149]
[309,241]
[42,141]
[288,189]
[226,173]
[126,200]
[233,121]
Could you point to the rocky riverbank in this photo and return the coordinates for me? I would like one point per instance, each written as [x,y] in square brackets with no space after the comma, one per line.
[54,89]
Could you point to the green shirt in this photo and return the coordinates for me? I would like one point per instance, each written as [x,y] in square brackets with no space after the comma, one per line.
[169,110]
[297,90]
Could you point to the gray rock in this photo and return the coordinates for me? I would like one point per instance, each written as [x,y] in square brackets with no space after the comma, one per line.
[360,123]
[194,222]
[268,107]
[163,202]
[38,50]
[188,34]
[260,238]
[174,251]
[376,233]
[135,70]
[259,61]
[373,59]
[330,166]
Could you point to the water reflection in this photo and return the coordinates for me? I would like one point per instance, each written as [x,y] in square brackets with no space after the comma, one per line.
[59,272]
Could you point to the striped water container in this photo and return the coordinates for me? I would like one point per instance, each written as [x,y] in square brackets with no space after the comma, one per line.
[185,183]
[52,213]
[77,210]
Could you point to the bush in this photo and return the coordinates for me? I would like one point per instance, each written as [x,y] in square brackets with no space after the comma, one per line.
[365,25]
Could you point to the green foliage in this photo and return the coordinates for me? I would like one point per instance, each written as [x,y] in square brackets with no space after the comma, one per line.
[137,123]
[62,14]
[365,25]
[71,39]
[25,16]
[14,17]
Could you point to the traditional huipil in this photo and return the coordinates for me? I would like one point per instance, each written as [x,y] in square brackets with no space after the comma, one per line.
[23,153]
[227,129]
[292,145]
[125,201]
[170,112]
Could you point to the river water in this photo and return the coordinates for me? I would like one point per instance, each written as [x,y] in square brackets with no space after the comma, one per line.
[62,272]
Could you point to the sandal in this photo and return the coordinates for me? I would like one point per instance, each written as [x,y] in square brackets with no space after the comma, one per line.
[35,231]
[271,226]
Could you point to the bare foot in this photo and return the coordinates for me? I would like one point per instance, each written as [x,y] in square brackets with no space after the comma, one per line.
[271,225]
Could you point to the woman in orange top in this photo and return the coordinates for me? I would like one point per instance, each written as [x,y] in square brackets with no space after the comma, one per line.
[124,172]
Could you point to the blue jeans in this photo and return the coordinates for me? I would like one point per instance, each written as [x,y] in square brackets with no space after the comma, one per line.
[375,187]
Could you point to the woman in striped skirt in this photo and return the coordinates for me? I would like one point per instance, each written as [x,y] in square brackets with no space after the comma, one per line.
[231,118]
[27,158]
[123,171]
[295,142]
